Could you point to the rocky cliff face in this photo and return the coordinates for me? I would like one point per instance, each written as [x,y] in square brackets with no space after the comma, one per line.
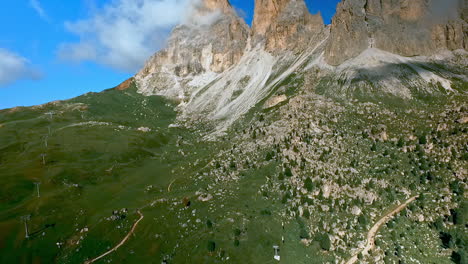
[211,40]
[407,27]
[284,24]
[265,12]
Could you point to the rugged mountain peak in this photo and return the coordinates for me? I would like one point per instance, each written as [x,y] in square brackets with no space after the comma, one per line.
[209,42]
[284,24]
[407,27]
[266,11]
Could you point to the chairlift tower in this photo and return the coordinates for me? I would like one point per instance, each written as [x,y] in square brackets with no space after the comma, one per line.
[43,158]
[25,219]
[37,188]
[277,256]
[46,138]
[50,114]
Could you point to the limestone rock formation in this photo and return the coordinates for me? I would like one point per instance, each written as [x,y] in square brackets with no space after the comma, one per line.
[265,12]
[218,68]
[285,24]
[406,27]
[211,40]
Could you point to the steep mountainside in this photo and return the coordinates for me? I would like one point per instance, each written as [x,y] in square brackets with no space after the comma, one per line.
[219,71]
[234,142]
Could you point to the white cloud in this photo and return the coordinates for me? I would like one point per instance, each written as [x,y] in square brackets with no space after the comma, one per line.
[36,5]
[124,33]
[14,67]
[202,19]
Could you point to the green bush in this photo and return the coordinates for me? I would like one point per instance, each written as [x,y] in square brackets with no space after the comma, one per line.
[236,242]
[324,241]
[286,197]
[265,212]
[303,234]
[362,220]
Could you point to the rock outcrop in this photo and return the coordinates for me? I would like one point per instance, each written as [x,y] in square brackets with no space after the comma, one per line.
[125,85]
[406,27]
[284,24]
[211,40]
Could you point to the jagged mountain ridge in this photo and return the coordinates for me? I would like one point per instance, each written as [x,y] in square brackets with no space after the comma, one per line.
[221,69]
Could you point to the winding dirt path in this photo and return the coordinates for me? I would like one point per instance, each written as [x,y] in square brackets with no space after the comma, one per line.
[373,231]
[121,242]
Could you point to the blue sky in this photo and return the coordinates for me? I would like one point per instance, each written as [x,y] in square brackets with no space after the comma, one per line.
[54,49]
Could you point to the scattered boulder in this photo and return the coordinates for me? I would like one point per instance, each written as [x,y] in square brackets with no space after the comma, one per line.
[462,120]
[273,101]
[205,197]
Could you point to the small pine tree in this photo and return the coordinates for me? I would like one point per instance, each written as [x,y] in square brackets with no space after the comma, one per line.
[308,184]
[211,246]
[281,176]
[423,140]
[233,165]
[295,149]
[306,213]
[401,142]
[236,242]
